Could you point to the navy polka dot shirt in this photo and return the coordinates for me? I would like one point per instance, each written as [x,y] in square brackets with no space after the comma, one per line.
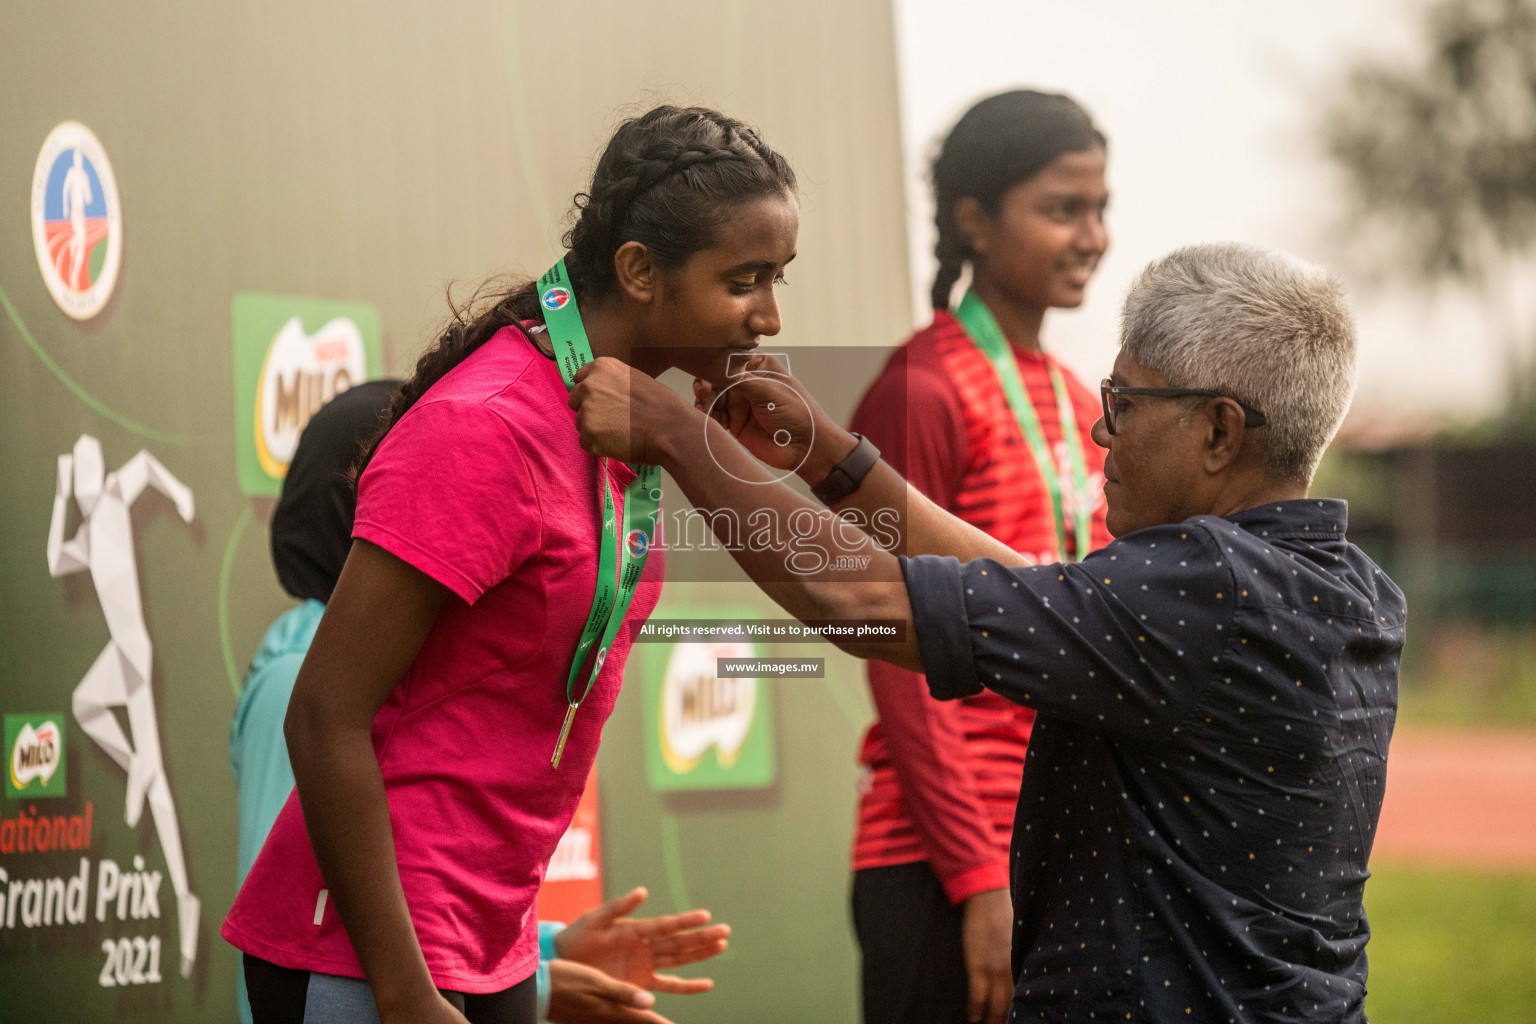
[1202,787]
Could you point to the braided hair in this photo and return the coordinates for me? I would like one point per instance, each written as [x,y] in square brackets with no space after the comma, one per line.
[1000,142]
[667,179]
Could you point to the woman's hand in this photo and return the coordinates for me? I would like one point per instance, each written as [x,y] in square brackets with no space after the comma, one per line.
[623,413]
[434,1009]
[631,950]
[986,936]
[579,994]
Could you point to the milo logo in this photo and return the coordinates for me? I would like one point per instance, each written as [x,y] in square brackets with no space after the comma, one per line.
[706,726]
[291,357]
[300,374]
[34,747]
[700,711]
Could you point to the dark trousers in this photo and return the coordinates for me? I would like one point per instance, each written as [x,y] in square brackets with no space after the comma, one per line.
[280,995]
[909,934]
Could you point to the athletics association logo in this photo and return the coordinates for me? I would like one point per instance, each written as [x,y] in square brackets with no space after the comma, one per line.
[636,543]
[556,298]
[77,221]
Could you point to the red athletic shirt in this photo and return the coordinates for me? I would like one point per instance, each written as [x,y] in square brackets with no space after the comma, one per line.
[941,778]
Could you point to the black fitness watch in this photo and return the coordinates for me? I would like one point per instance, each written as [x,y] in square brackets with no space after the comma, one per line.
[848,474]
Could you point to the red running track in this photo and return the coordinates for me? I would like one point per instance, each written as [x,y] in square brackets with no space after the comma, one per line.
[1460,798]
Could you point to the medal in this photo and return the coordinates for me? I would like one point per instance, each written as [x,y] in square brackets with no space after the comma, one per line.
[987,336]
[622,548]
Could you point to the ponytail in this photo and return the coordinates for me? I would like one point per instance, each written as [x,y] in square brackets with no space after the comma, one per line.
[1000,142]
[951,254]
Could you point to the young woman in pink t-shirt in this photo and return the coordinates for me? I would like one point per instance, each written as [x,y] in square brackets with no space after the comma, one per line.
[423,721]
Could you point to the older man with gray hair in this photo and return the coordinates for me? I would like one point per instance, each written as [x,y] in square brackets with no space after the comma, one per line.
[1216,688]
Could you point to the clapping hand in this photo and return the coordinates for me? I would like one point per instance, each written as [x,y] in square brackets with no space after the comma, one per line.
[631,950]
[585,995]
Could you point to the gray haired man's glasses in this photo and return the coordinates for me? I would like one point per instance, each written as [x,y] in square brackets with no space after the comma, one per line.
[1251,417]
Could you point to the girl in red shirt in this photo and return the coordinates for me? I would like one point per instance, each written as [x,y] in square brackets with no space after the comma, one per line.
[976,415]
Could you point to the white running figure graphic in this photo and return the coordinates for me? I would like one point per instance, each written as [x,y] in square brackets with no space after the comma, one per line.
[120,676]
[77,196]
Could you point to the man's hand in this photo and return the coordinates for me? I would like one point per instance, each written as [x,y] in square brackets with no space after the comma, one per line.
[579,994]
[986,936]
[767,410]
[623,413]
[631,950]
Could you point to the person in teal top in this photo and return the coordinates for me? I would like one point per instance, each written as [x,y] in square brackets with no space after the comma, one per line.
[256,749]
[602,968]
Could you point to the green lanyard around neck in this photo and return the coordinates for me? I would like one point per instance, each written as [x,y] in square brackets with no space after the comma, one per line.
[619,566]
[987,336]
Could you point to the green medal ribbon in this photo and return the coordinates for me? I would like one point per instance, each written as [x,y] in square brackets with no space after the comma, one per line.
[987,336]
[621,552]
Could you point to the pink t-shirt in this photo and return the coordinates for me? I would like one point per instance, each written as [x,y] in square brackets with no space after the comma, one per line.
[482,486]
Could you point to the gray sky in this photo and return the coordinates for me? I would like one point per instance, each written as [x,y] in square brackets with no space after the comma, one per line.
[1209,107]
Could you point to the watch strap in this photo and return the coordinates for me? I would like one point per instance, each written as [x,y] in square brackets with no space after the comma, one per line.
[847,475]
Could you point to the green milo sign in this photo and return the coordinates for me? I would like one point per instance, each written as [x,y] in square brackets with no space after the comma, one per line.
[291,356]
[702,731]
[34,756]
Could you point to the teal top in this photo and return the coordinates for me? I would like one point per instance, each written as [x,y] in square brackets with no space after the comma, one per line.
[258,753]
[547,932]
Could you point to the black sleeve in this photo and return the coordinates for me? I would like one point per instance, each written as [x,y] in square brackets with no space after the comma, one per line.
[1121,642]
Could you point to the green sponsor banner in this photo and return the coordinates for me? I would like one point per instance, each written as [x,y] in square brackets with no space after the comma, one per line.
[701,731]
[34,756]
[291,356]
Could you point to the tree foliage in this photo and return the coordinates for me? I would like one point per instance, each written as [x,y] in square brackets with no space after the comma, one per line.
[1440,159]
